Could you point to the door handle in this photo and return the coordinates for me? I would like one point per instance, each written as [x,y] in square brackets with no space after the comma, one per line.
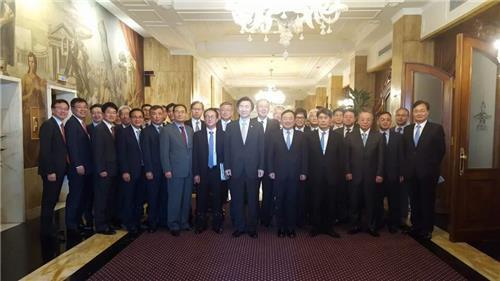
[463,157]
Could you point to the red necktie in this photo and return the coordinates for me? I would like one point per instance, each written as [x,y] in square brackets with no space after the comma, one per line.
[62,132]
[85,129]
[183,134]
[113,131]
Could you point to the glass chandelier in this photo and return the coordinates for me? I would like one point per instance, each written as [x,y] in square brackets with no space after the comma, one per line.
[284,17]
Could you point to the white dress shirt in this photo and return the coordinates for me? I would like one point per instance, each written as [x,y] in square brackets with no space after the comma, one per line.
[224,124]
[109,125]
[194,122]
[387,135]
[263,122]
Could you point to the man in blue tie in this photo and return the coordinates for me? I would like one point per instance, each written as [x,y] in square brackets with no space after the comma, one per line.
[208,154]
[287,165]
[424,150]
[176,145]
[325,173]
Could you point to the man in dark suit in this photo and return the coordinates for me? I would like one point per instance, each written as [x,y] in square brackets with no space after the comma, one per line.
[96,116]
[393,173]
[52,163]
[270,126]
[325,172]
[106,169]
[156,188]
[312,118]
[364,169]
[349,118]
[195,121]
[424,150]
[402,116]
[208,154]
[287,165]
[176,145]
[131,166]
[244,163]
[169,118]
[337,119]
[80,168]
[303,194]
[145,109]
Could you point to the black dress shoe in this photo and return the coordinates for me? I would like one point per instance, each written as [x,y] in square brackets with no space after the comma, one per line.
[333,233]
[426,236]
[253,234]
[313,233]
[291,234]
[281,233]
[107,231]
[175,233]
[198,230]
[237,233]
[373,232]
[392,229]
[218,230]
[354,230]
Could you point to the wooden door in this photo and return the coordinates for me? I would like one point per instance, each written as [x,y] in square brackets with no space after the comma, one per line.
[475,196]
[429,83]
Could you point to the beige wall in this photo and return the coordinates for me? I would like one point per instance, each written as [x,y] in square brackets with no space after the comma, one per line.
[173,75]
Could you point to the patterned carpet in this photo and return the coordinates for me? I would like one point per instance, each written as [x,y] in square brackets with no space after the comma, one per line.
[209,256]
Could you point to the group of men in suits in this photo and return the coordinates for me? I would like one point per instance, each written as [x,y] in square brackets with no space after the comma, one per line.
[331,170]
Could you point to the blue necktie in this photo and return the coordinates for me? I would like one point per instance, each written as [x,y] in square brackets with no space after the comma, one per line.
[323,141]
[385,138]
[400,130]
[211,150]
[288,139]
[364,136]
[417,135]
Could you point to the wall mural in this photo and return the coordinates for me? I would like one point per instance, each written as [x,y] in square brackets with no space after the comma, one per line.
[78,41]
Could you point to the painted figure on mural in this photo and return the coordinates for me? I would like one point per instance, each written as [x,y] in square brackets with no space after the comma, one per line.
[7,28]
[34,89]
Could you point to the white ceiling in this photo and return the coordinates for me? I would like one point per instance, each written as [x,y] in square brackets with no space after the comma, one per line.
[204,29]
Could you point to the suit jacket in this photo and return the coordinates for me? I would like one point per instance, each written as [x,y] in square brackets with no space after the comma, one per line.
[364,162]
[342,130]
[244,159]
[272,126]
[424,160]
[78,143]
[200,151]
[150,146]
[287,164]
[53,152]
[219,124]
[393,157]
[189,123]
[104,150]
[91,129]
[332,160]
[129,153]
[175,155]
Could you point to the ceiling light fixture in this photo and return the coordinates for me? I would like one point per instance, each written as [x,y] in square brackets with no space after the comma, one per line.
[271,93]
[284,17]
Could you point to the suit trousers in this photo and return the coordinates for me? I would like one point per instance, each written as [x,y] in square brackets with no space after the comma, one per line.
[267,206]
[209,189]
[391,190]
[179,202]
[132,195]
[286,203]
[50,196]
[78,185]
[423,198]
[359,193]
[104,193]
[240,187]
[303,203]
[323,204]
[153,189]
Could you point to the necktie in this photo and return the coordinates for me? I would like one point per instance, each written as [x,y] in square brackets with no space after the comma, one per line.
[211,150]
[85,128]
[385,137]
[183,134]
[137,136]
[417,135]
[62,132]
[262,122]
[288,139]
[347,131]
[197,126]
[158,129]
[364,136]
[244,131]
[400,130]
[113,132]
[322,141]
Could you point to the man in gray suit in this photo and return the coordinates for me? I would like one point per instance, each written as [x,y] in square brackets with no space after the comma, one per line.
[176,145]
